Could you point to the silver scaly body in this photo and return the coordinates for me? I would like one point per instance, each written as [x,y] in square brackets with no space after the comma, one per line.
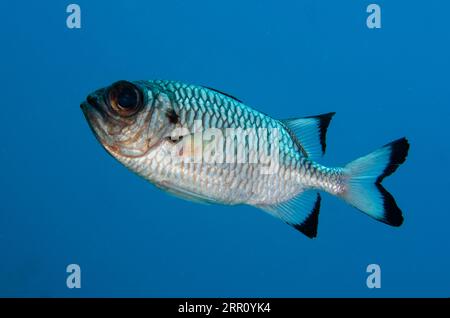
[135,122]
[230,183]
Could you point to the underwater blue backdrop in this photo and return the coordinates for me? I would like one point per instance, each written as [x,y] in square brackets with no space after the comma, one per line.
[63,200]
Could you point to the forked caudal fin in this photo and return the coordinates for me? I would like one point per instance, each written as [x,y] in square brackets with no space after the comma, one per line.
[364,190]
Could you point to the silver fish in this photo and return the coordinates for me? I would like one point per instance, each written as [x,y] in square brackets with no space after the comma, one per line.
[207,146]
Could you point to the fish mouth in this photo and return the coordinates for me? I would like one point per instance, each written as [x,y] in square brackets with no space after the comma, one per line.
[92,117]
[99,123]
[86,108]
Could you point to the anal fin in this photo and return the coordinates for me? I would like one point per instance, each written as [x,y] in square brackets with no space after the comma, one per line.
[301,212]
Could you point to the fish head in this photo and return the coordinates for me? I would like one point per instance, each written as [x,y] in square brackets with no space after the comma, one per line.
[128,118]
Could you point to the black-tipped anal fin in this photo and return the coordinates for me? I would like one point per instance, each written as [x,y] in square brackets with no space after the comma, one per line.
[300,212]
[310,224]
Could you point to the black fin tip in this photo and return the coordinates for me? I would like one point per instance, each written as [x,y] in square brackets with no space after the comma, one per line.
[399,152]
[392,214]
[324,122]
[310,224]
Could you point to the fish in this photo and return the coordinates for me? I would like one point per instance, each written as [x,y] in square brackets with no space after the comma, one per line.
[206,146]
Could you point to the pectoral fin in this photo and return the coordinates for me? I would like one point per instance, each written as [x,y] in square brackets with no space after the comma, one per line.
[183,193]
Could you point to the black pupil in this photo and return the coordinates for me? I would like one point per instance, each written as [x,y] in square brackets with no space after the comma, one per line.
[127,97]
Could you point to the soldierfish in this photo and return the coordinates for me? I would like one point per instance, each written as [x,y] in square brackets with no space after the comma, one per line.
[153,128]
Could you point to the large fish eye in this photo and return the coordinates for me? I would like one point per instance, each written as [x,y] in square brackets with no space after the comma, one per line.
[124,98]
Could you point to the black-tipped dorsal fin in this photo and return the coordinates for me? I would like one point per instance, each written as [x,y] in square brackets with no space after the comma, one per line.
[220,92]
[301,212]
[310,133]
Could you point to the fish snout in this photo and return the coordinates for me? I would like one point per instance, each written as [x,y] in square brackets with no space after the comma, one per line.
[93,100]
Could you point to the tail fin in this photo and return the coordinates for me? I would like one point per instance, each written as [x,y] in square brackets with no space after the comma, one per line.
[364,190]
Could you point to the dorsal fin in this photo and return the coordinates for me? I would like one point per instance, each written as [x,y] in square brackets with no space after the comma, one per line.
[301,212]
[310,132]
[220,92]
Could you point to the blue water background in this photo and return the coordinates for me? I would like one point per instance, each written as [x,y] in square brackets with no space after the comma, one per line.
[63,200]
